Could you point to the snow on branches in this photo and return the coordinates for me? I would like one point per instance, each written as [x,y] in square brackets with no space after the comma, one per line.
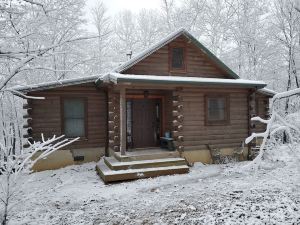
[281,128]
[15,159]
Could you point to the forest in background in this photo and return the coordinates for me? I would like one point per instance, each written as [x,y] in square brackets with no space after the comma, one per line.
[258,39]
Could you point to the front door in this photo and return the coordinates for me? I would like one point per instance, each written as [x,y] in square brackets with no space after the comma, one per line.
[145,122]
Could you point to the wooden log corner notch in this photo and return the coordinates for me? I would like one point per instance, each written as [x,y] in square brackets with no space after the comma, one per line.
[178,119]
[113,114]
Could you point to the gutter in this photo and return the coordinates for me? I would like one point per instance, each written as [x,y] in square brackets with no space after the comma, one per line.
[194,83]
[128,79]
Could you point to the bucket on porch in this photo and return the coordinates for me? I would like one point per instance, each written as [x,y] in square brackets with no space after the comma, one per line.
[168,134]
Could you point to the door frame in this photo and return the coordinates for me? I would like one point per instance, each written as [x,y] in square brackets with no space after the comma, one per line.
[162,114]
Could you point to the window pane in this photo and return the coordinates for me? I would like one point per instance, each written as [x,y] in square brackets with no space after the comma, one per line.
[74,108]
[74,127]
[216,109]
[74,117]
[177,58]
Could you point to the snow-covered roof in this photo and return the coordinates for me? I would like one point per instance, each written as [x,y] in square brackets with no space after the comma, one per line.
[56,84]
[267,91]
[167,40]
[118,78]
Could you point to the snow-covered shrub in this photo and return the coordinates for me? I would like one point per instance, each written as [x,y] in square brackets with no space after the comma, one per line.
[15,159]
[281,139]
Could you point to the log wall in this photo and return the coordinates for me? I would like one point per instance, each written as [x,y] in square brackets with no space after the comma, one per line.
[197,134]
[45,115]
[197,63]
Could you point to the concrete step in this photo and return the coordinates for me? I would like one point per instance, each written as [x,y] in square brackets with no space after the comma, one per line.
[114,164]
[109,175]
[145,155]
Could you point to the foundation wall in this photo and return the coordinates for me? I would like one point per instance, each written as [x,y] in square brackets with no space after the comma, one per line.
[63,158]
[204,155]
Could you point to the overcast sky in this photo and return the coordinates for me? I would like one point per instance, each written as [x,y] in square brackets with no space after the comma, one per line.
[114,6]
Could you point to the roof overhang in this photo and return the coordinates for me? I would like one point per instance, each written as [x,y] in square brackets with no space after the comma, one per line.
[55,84]
[267,91]
[117,78]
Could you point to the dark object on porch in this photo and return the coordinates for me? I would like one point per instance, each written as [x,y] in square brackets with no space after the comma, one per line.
[167,143]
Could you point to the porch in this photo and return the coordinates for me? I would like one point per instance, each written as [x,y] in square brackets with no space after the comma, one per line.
[138,119]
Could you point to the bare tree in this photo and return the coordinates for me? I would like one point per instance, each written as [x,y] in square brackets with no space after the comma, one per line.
[103,25]
[29,42]
[168,7]
[38,39]
[149,28]
[287,21]
[125,38]
[218,21]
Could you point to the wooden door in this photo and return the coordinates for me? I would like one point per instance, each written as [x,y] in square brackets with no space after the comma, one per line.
[145,122]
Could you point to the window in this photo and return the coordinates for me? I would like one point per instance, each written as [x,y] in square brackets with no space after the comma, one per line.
[217,110]
[74,117]
[177,58]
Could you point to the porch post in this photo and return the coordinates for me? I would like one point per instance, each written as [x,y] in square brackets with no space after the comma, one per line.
[123,121]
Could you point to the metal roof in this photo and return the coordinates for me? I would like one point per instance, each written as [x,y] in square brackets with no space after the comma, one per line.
[117,78]
[267,91]
[55,84]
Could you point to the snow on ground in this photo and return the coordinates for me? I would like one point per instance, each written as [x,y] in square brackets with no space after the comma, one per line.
[207,195]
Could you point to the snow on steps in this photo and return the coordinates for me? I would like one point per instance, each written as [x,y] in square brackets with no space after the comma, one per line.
[145,155]
[109,175]
[114,164]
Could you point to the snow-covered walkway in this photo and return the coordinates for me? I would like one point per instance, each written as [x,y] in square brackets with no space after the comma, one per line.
[207,195]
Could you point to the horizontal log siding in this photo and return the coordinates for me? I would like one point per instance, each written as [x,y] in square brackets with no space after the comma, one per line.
[197,63]
[197,134]
[46,114]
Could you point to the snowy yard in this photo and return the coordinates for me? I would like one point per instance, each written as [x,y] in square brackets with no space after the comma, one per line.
[207,195]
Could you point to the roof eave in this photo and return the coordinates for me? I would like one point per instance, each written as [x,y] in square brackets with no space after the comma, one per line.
[192,83]
[268,92]
[52,85]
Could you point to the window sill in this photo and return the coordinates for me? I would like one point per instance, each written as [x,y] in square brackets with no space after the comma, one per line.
[177,71]
[220,123]
[80,139]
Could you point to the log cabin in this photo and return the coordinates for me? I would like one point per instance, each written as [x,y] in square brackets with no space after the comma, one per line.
[171,105]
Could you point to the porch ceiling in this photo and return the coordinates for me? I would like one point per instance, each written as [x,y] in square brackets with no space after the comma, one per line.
[117,78]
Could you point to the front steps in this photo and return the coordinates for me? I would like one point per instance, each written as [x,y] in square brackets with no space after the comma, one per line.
[136,166]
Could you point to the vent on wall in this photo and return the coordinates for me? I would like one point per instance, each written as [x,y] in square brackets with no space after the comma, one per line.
[78,155]
[78,158]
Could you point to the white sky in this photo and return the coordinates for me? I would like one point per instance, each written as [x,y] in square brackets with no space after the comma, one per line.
[114,6]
